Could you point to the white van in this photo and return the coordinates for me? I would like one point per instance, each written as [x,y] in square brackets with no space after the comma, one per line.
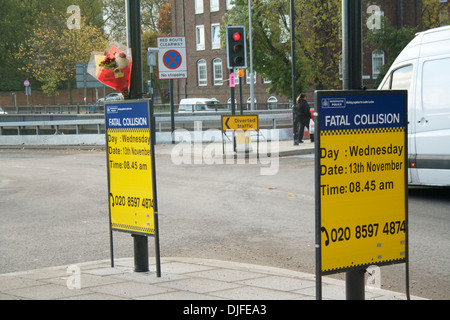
[201,105]
[423,68]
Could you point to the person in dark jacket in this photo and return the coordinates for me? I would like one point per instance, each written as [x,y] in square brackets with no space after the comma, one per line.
[303,117]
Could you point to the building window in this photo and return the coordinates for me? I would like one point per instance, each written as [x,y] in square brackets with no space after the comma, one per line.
[214,5]
[198,6]
[230,4]
[215,36]
[272,103]
[202,73]
[443,17]
[249,103]
[218,72]
[248,77]
[200,37]
[377,63]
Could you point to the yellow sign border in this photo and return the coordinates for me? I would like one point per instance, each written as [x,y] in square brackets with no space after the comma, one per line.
[246,123]
[361,180]
[130,168]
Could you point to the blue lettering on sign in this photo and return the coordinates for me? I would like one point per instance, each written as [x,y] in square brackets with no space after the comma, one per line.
[334,103]
[132,115]
[362,111]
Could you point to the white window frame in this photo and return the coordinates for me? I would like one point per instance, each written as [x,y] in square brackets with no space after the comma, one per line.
[249,102]
[198,6]
[215,30]
[218,72]
[230,4]
[248,78]
[376,56]
[200,37]
[214,5]
[202,73]
[272,103]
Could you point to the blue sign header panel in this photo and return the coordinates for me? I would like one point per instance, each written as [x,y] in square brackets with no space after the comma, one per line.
[127,115]
[361,110]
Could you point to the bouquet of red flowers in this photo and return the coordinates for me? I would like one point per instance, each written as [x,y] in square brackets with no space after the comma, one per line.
[112,68]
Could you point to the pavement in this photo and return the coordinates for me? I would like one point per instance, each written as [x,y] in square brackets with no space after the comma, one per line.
[181,278]
[284,148]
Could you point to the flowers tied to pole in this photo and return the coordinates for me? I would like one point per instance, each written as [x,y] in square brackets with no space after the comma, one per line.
[112,68]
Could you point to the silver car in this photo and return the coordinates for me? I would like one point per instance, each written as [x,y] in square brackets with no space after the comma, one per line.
[111,97]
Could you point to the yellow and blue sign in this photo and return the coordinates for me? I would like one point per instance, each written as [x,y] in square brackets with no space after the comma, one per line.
[132,198]
[361,179]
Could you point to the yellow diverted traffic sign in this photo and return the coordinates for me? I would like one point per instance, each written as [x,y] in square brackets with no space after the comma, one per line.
[240,122]
[361,179]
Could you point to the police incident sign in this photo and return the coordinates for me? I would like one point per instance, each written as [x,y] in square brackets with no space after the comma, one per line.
[361,179]
[129,162]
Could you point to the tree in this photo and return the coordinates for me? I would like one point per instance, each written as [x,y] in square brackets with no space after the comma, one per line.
[390,40]
[434,14]
[18,20]
[165,19]
[52,50]
[316,41]
[115,18]
[12,32]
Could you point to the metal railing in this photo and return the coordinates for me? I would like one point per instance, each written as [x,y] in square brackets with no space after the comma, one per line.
[100,108]
[41,124]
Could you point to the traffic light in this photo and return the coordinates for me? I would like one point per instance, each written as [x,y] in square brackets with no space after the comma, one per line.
[236,47]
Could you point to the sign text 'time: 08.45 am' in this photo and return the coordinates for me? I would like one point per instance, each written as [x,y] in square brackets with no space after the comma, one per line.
[131,191]
[361,179]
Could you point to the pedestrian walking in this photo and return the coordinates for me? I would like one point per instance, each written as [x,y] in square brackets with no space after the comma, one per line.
[302,118]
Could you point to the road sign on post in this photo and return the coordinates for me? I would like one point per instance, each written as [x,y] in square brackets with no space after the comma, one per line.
[131,169]
[236,47]
[361,180]
[172,58]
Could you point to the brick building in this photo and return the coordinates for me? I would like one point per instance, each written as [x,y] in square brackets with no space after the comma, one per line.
[400,13]
[200,20]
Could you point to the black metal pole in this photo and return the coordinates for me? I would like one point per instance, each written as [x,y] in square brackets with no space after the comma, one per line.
[233,101]
[240,95]
[294,73]
[172,110]
[233,112]
[140,253]
[352,44]
[135,44]
[352,73]
[136,92]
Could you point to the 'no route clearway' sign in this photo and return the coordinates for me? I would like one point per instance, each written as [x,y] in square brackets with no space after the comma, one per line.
[172,58]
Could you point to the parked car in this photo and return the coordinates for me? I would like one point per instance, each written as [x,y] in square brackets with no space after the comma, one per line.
[201,105]
[2,111]
[111,97]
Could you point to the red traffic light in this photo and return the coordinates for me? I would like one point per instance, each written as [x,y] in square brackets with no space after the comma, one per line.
[237,36]
[236,47]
